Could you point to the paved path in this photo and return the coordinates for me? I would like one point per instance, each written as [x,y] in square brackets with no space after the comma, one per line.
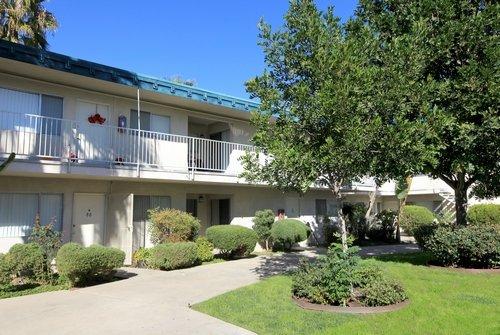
[149,302]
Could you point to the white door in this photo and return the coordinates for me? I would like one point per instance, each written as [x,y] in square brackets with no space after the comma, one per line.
[93,139]
[88,218]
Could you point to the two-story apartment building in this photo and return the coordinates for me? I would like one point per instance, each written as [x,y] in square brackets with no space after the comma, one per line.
[97,146]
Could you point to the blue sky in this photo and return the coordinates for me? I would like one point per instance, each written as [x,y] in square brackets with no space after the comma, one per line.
[213,42]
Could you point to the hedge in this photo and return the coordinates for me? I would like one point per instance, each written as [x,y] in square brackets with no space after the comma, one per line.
[204,249]
[484,214]
[26,260]
[82,265]
[471,246]
[172,225]
[170,256]
[232,240]
[286,232]
[415,216]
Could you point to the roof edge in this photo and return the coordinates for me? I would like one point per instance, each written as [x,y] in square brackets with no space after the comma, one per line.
[60,62]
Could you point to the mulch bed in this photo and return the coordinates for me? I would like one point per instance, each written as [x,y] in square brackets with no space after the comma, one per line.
[349,309]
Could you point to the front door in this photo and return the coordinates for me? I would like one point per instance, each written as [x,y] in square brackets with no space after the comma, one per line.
[224,211]
[88,218]
[93,143]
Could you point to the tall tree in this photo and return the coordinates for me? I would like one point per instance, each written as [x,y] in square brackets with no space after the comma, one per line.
[439,71]
[313,125]
[26,22]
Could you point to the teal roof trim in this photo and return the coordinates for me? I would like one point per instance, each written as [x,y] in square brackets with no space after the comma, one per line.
[55,61]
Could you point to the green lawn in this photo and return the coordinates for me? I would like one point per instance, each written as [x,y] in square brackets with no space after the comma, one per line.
[9,291]
[442,302]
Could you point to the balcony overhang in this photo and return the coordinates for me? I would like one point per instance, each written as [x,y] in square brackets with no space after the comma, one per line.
[28,62]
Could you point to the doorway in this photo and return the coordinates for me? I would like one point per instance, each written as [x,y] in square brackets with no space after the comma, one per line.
[221,211]
[142,204]
[88,218]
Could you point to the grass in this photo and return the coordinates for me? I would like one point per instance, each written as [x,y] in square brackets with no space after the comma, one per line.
[10,291]
[442,302]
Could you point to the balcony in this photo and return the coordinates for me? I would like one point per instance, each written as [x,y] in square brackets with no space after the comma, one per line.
[35,137]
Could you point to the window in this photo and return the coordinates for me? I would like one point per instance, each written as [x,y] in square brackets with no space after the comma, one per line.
[18,212]
[150,122]
[321,207]
[52,108]
[17,104]
[192,207]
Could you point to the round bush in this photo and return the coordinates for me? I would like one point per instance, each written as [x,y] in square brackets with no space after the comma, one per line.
[5,270]
[172,225]
[423,233]
[140,257]
[382,228]
[170,256]
[382,292]
[286,232]
[484,215]
[232,240]
[415,216]
[471,246]
[26,260]
[205,249]
[82,265]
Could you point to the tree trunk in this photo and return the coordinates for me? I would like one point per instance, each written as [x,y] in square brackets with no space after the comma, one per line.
[402,202]
[371,204]
[343,230]
[461,204]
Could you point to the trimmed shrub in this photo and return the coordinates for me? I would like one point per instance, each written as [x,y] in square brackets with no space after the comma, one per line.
[82,265]
[415,216]
[140,257]
[484,215]
[49,241]
[472,246]
[424,232]
[329,280]
[5,270]
[171,256]
[287,232]
[262,223]
[172,225]
[26,260]
[232,240]
[204,249]
[382,292]
[383,227]
[356,222]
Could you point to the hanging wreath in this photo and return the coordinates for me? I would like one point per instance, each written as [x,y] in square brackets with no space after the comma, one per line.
[96,118]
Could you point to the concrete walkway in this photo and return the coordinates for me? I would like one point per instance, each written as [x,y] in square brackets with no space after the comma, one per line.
[149,302]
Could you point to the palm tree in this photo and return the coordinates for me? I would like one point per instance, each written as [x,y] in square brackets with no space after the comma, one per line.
[26,22]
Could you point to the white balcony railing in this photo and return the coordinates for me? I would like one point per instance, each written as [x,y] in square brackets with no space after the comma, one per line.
[34,136]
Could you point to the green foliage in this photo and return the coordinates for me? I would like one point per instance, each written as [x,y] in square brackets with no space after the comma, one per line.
[382,292]
[286,232]
[5,270]
[262,223]
[415,216]
[140,257]
[82,265]
[484,214]
[26,261]
[49,241]
[356,221]
[424,232]
[232,240]
[26,22]
[171,256]
[471,246]
[205,249]
[383,227]
[329,280]
[367,273]
[172,225]
[439,76]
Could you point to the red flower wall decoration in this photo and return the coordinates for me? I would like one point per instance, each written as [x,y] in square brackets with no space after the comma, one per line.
[96,118]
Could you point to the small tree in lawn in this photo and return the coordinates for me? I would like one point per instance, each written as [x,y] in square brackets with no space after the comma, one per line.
[262,223]
[315,122]
[439,70]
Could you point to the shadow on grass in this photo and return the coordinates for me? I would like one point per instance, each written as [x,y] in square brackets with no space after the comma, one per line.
[414,258]
[280,264]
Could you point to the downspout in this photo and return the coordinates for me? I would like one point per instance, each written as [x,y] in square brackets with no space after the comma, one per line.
[138,129]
